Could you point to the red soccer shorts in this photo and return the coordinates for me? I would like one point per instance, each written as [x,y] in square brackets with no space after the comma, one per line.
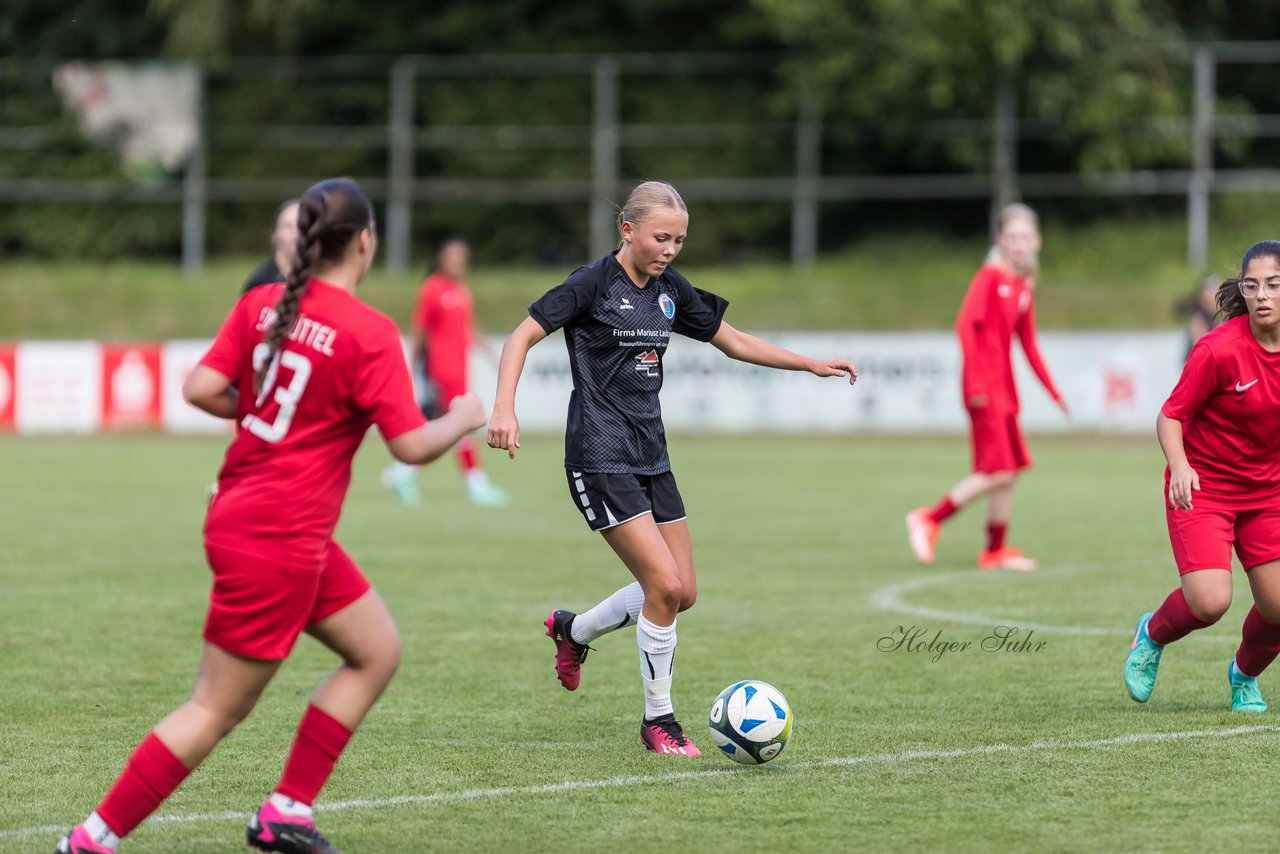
[997,441]
[1203,536]
[258,606]
[448,388]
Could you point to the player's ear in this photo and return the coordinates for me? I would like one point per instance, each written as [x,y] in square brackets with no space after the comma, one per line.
[627,230]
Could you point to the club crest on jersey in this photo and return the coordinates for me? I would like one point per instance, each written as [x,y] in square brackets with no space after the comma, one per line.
[647,362]
[668,305]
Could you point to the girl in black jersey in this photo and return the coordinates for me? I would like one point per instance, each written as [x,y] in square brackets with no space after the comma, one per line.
[618,315]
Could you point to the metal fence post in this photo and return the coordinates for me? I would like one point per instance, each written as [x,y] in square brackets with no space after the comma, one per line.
[195,189]
[1201,160]
[604,155]
[400,155]
[804,199]
[1004,150]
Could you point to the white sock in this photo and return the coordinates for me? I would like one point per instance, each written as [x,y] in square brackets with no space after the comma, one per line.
[620,608]
[1236,671]
[397,472]
[99,832]
[657,661]
[289,806]
[476,478]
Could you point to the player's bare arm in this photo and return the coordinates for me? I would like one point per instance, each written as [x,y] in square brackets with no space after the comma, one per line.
[504,429]
[745,347]
[424,444]
[1182,477]
[209,390]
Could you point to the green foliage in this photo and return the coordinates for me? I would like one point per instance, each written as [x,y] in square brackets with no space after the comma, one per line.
[1091,67]
[1095,83]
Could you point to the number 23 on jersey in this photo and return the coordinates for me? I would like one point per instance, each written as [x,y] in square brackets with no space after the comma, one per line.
[286,397]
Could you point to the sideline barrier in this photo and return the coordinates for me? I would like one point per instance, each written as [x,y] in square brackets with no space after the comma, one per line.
[908,381]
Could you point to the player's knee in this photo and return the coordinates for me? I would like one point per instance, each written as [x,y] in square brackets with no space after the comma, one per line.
[1210,605]
[1000,479]
[667,593]
[218,720]
[688,595]
[382,659]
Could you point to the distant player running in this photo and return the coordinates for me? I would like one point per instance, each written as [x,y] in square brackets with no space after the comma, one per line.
[441,336]
[1220,433]
[306,369]
[618,314]
[1000,304]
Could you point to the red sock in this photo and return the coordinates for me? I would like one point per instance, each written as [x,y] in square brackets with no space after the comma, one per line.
[316,749]
[943,509]
[995,535]
[1259,644]
[151,775]
[1174,619]
[467,454]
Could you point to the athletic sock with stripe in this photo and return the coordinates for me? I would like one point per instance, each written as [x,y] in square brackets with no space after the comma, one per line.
[657,661]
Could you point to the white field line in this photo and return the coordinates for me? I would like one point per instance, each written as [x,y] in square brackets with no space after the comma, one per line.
[891,598]
[678,776]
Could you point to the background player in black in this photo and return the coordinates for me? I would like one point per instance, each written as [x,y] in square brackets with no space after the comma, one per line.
[284,236]
[618,315]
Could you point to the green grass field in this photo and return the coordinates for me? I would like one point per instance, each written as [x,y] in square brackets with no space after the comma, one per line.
[803,568]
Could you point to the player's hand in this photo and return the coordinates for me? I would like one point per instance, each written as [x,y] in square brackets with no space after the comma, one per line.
[1182,481]
[469,410]
[835,368]
[978,401]
[504,431]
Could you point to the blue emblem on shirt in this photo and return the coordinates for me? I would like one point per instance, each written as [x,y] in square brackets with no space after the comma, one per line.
[668,305]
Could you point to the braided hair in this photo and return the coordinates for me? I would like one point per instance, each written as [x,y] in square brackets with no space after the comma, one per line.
[330,215]
[1231,302]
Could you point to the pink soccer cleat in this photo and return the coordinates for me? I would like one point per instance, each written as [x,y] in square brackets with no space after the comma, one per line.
[664,735]
[1007,558]
[922,534]
[272,830]
[569,653]
[78,841]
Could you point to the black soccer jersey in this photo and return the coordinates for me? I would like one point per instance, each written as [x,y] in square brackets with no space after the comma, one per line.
[266,274]
[616,334]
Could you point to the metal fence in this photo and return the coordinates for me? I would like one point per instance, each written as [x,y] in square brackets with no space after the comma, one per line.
[806,188]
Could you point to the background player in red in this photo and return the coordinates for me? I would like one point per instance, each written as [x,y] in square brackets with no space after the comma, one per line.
[441,336]
[1220,433]
[999,305]
[618,315]
[306,369]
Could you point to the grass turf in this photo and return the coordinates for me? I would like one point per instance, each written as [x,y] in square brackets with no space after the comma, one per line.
[803,568]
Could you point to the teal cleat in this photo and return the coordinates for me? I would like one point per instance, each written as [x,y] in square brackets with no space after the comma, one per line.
[1143,662]
[1245,696]
[403,481]
[485,494]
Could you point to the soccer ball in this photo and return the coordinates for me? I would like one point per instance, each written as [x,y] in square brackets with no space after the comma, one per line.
[750,722]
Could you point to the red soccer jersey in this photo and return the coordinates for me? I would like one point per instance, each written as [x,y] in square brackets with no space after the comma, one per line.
[999,304]
[341,370]
[445,314]
[1228,400]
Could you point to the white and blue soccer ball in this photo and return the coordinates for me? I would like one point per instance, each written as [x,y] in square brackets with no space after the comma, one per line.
[750,722]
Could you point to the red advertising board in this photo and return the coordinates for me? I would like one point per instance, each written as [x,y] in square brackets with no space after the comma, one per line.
[8,380]
[130,386]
